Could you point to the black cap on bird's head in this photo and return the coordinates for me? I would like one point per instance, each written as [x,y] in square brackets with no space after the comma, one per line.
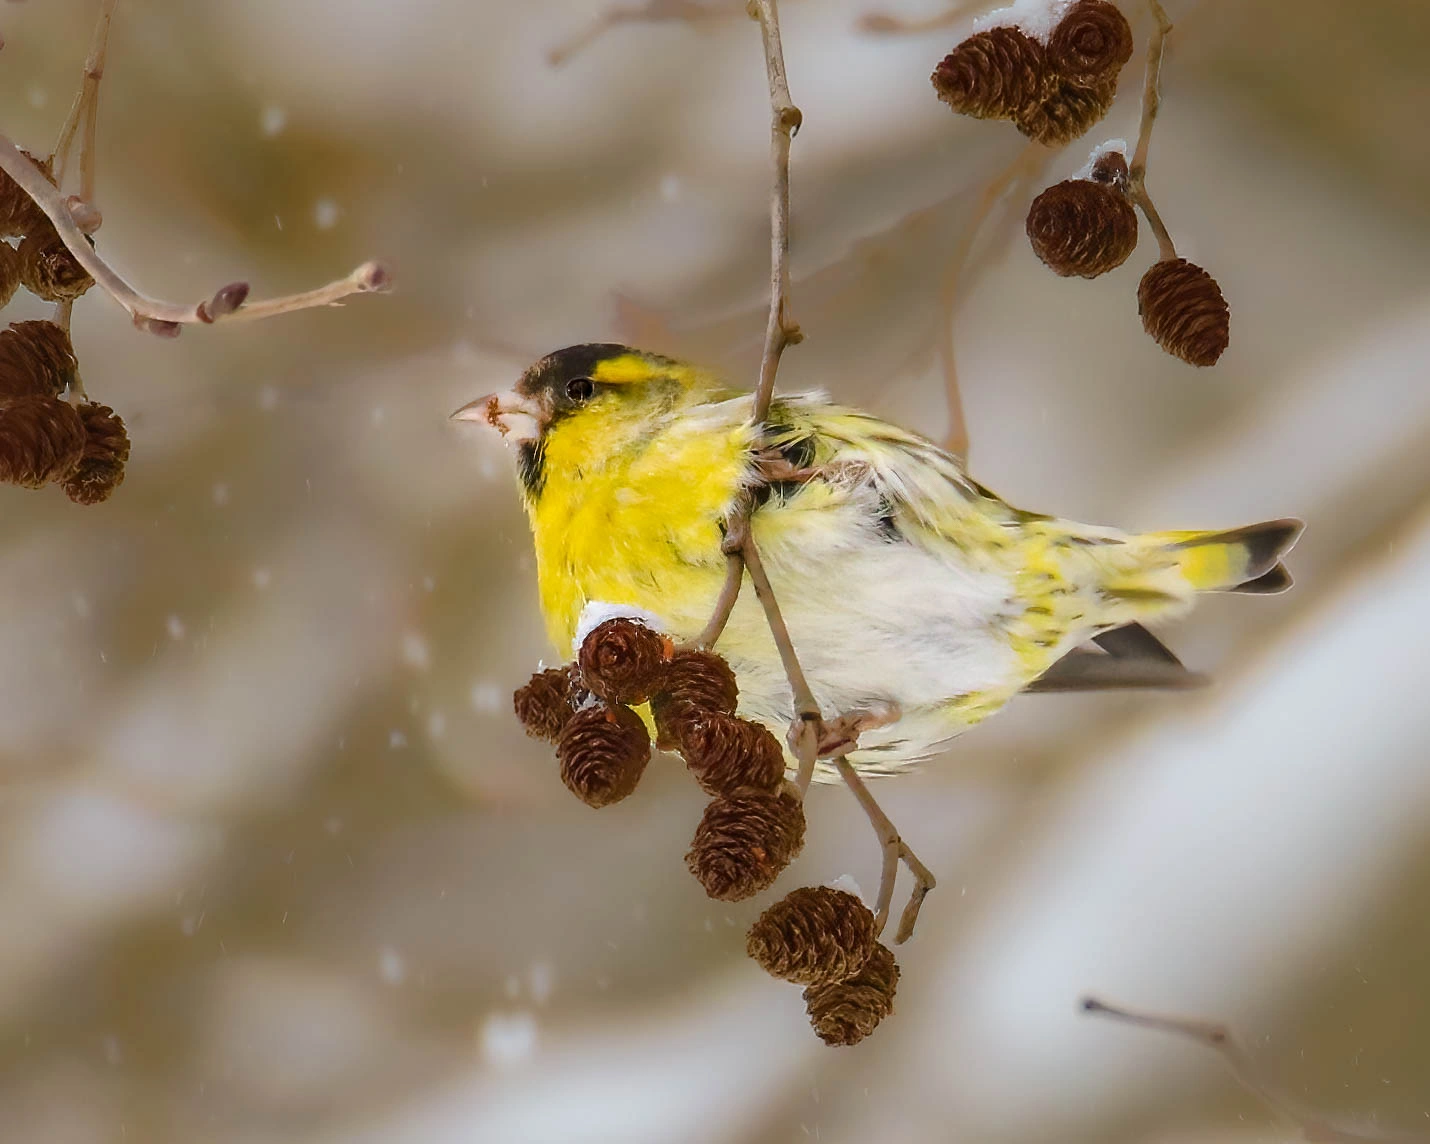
[607,375]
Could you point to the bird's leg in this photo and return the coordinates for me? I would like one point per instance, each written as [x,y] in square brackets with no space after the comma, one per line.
[772,467]
[895,850]
[842,734]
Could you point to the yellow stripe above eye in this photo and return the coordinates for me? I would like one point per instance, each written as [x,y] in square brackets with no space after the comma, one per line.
[624,369]
[630,369]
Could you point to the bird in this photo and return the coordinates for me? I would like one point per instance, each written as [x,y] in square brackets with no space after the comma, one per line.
[917,600]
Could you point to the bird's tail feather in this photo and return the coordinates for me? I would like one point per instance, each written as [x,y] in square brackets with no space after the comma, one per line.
[1244,559]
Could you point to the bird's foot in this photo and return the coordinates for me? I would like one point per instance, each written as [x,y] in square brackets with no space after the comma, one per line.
[841,735]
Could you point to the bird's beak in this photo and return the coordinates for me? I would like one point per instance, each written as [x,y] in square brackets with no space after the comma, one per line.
[515,417]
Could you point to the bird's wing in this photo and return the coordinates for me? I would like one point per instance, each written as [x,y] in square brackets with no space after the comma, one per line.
[923,487]
[1131,657]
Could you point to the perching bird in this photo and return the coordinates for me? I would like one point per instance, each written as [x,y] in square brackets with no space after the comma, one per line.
[917,600]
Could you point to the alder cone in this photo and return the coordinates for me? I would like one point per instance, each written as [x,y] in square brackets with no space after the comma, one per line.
[41,440]
[49,270]
[744,841]
[994,74]
[1068,112]
[623,661]
[546,702]
[603,753]
[106,451]
[35,358]
[9,273]
[816,935]
[1182,307]
[726,753]
[19,215]
[845,1012]
[1110,170]
[1082,228]
[1091,44]
[695,682]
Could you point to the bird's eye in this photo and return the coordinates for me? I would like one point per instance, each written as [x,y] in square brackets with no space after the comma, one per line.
[580,389]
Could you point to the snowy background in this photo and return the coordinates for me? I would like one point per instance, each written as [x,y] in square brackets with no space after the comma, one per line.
[276,863]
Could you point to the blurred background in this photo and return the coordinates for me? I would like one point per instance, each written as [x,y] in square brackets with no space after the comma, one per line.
[276,861]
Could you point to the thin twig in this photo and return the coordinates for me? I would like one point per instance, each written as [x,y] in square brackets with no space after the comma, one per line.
[84,108]
[1032,158]
[894,850]
[651,12]
[888,24]
[724,603]
[807,727]
[1218,1037]
[1151,103]
[785,118]
[89,94]
[168,318]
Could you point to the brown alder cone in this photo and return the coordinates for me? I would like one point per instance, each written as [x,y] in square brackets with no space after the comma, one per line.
[1082,228]
[998,73]
[695,681]
[846,1012]
[603,753]
[1067,112]
[547,701]
[1110,169]
[19,215]
[623,661]
[106,451]
[1091,44]
[725,753]
[41,440]
[9,273]
[816,935]
[35,358]
[48,269]
[1182,307]
[744,840]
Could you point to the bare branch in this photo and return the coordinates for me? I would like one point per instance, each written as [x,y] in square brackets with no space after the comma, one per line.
[168,318]
[808,734]
[89,95]
[807,727]
[651,12]
[1151,103]
[785,119]
[894,851]
[84,111]
[1218,1038]
[1029,162]
[888,24]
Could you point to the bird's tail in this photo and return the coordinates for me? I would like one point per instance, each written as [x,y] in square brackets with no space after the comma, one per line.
[1244,559]
[1165,570]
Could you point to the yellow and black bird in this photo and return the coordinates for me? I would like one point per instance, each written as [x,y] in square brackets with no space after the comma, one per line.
[917,600]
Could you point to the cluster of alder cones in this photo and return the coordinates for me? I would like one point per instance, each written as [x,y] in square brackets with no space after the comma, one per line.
[82,447]
[753,826]
[1052,92]
[1084,227]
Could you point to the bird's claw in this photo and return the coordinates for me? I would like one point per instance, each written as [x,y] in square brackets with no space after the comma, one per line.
[841,735]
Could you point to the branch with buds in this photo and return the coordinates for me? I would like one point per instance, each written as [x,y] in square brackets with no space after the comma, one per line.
[809,736]
[1218,1037]
[43,438]
[650,12]
[75,218]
